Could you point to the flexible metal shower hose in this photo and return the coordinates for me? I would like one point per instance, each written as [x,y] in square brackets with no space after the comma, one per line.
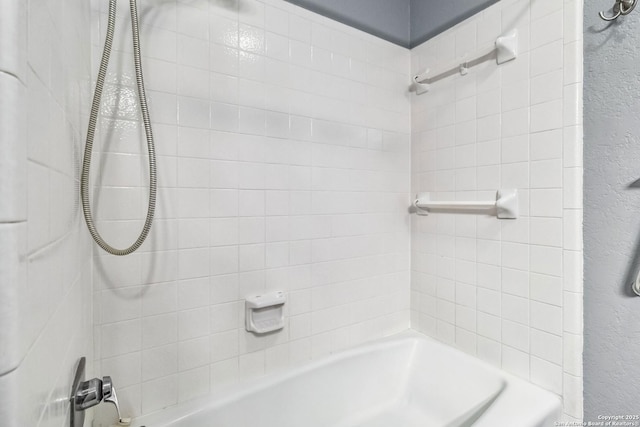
[95,108]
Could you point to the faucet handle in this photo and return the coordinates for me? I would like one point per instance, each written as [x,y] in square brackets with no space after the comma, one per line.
[107,387]
[110,395]
[94,391]
[89,394]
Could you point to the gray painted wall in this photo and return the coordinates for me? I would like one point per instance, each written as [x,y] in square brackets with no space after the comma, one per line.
[611,212]
[404,22]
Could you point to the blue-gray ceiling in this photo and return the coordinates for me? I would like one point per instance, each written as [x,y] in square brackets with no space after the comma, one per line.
[429,18]
[404,22]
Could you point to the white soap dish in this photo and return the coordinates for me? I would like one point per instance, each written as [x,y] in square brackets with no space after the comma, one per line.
[265,313]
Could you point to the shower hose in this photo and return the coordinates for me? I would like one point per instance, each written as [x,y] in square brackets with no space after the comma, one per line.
[95,108]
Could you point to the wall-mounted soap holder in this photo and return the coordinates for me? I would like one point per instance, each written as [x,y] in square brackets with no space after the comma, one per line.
[265,313]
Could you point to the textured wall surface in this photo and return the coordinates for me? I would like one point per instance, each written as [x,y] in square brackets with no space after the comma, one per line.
[611,220]
[45,262]
[507,291]
[284,164]
[404,22]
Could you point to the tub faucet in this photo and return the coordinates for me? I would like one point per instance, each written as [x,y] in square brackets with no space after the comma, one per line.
[94,391]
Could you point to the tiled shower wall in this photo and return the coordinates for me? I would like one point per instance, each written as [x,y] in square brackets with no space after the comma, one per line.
[45,282]
[284,164]
[507,291]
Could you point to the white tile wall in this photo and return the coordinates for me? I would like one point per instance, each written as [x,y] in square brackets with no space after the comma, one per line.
[509,292]
[45,297]
[284,157]
[284,164]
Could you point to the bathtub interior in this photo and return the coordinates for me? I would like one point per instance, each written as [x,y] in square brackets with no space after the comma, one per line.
[404,382]
[447,387]
[318,397]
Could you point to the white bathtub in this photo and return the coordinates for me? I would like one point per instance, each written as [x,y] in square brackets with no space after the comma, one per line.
[403,381]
